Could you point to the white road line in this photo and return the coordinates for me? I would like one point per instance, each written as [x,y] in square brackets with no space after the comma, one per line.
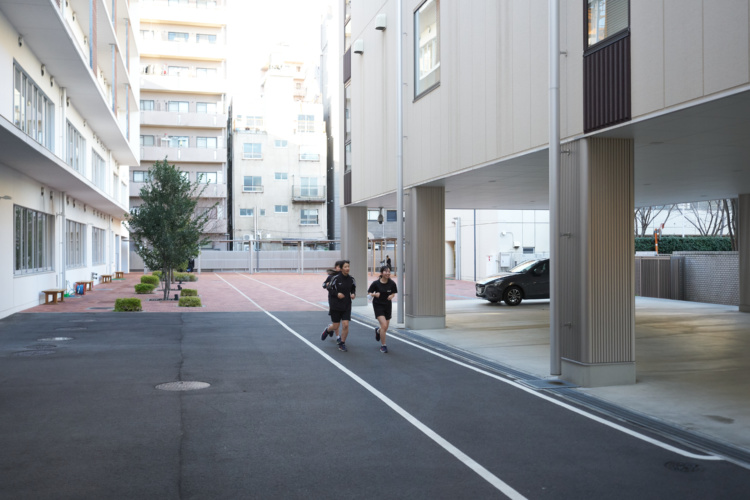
[591,416]
[465,459]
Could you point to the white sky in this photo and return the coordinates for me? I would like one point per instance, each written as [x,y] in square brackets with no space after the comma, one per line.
[256,26]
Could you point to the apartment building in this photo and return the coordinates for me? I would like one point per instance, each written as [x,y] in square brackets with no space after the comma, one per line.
[650,106]
[183,101]
[68,126]
[279,158]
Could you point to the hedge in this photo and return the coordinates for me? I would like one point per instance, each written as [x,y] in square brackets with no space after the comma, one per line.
[144,288]
[151,280]
[669,244]
[189,292]
[190,302]
[125,305]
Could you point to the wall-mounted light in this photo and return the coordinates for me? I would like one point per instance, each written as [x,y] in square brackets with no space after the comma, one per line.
[6,197]
[42,190]
[67,101]
[380,22]
[51,81]
[84,123]
[43,68]
[74,15]
[85,40]
[358,47]
[20,41]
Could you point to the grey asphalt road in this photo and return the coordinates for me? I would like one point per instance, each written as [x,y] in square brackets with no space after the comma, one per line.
[287,415]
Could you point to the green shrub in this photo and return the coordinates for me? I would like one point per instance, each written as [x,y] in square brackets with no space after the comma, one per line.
[156,273]
[192,277]
[144,288]
[190,302]
[182,267]
[124,305]
[185,277]
[189,292]
[151,280]
[670,244]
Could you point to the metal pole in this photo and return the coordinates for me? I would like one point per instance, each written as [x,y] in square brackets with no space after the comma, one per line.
[554,176]
[400,161]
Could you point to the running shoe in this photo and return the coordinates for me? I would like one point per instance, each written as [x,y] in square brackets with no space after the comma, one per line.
[384,349]
[342,346]
[377,334]
[326,333]
[330,334]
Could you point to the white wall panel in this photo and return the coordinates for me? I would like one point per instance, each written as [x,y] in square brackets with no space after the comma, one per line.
[647,57]
[683,50]
[725,41]
[521,65]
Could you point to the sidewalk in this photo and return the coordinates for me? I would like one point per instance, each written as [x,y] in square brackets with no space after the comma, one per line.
[693,359]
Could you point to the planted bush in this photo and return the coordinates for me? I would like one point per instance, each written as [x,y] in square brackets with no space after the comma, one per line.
[190,302]
[127,305]
[156,273]
[185,277]
[144,288]
[151,280]
[189,292]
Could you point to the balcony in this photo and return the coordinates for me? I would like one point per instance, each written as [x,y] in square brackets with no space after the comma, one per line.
[186,155]
[211,191]
[166,49]
[189,13]
[314,194]
[191,120]
[215,226]
[185,83]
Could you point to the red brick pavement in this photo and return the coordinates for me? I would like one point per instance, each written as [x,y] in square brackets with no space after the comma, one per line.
[227,292]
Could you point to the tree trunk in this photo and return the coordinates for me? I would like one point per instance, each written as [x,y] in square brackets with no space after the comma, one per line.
[167,279]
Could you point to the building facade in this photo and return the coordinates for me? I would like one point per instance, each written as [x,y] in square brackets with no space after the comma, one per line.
[183,101]
[650,105]
[68,130]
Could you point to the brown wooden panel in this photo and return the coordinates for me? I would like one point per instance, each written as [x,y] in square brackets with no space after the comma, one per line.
[606,85]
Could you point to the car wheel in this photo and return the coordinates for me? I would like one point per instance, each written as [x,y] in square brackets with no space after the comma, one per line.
[513,296]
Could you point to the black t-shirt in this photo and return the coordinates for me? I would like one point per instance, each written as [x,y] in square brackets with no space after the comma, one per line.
[345,285]
[386,290]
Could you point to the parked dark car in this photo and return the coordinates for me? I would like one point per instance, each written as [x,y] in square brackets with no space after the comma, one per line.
[528,280]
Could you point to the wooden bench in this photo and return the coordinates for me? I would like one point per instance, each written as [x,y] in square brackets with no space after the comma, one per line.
[54,293]
[87,285]
[105,278]
[119,275]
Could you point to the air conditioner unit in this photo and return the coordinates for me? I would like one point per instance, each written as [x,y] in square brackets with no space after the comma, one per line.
[246,237]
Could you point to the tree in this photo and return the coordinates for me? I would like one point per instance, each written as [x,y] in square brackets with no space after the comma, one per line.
[644,216]
[167,228]
[709,218]
[730,209]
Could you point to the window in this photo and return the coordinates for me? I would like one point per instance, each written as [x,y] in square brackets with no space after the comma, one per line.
[390,216]
[76,156]
[33,112]
[528,250]
[427,47]
[147,34]
[75,253]
[253,184]
[347,35]
[185,175]
[281,209]
[147,105]
[98,246]
[252,151]
[205,107]
[206,142]
[141,176]
[98,171]
[177,71]
[147,140]
[33,241]
[174,36]
[280,176]
[253,123]
[280,143]
[309,187]
[204,38]
[178,106]
[205,72]
[372,215]
[347,129]
[262,212]
[606,18]
[179,141]
[246,212]
[305,123]
[207,177]
[308,153]
[309,217]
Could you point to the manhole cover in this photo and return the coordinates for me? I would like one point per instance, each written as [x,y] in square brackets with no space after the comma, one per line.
[69,328]
[34,353]
[682,466]
[54,339]
[182,386]
[41,346]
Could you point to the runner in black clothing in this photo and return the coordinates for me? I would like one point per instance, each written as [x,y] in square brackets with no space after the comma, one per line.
[382,292]
[344,287]
[332,273]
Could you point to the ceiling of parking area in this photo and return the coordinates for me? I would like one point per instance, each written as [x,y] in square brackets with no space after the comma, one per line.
[698,153]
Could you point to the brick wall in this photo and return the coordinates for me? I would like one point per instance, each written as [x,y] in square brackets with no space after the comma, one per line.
[712,277]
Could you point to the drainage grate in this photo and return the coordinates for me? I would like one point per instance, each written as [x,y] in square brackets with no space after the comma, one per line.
[182,386]
[682,466]
[54,339]
[546,384]
[34,353]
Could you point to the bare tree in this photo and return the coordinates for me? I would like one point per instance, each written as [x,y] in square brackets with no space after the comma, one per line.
[709,217]
[644,216]
[730,209]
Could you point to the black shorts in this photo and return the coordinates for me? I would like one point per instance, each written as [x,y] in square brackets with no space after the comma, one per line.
[383,310]
[338,316]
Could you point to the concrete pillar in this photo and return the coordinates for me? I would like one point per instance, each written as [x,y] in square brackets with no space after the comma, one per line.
[354,248]
[424,263]
[596,307]
[743,240]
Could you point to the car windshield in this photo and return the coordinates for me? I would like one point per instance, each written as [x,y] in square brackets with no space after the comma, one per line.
[524,266]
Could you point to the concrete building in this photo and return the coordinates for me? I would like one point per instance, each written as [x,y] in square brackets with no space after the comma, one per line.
[68,126]
[653,104]
[183,102]
[279,158]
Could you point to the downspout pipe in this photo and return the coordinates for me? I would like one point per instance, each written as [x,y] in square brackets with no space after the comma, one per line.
[554,180]
[400,162]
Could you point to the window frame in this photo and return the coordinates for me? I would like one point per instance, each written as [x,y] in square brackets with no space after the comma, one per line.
[608,40]
[252,155]
[75,238]
[305,217]
[33,247]
[206,142]
[419,92]
[281,209]
[207,177]
[254,186]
